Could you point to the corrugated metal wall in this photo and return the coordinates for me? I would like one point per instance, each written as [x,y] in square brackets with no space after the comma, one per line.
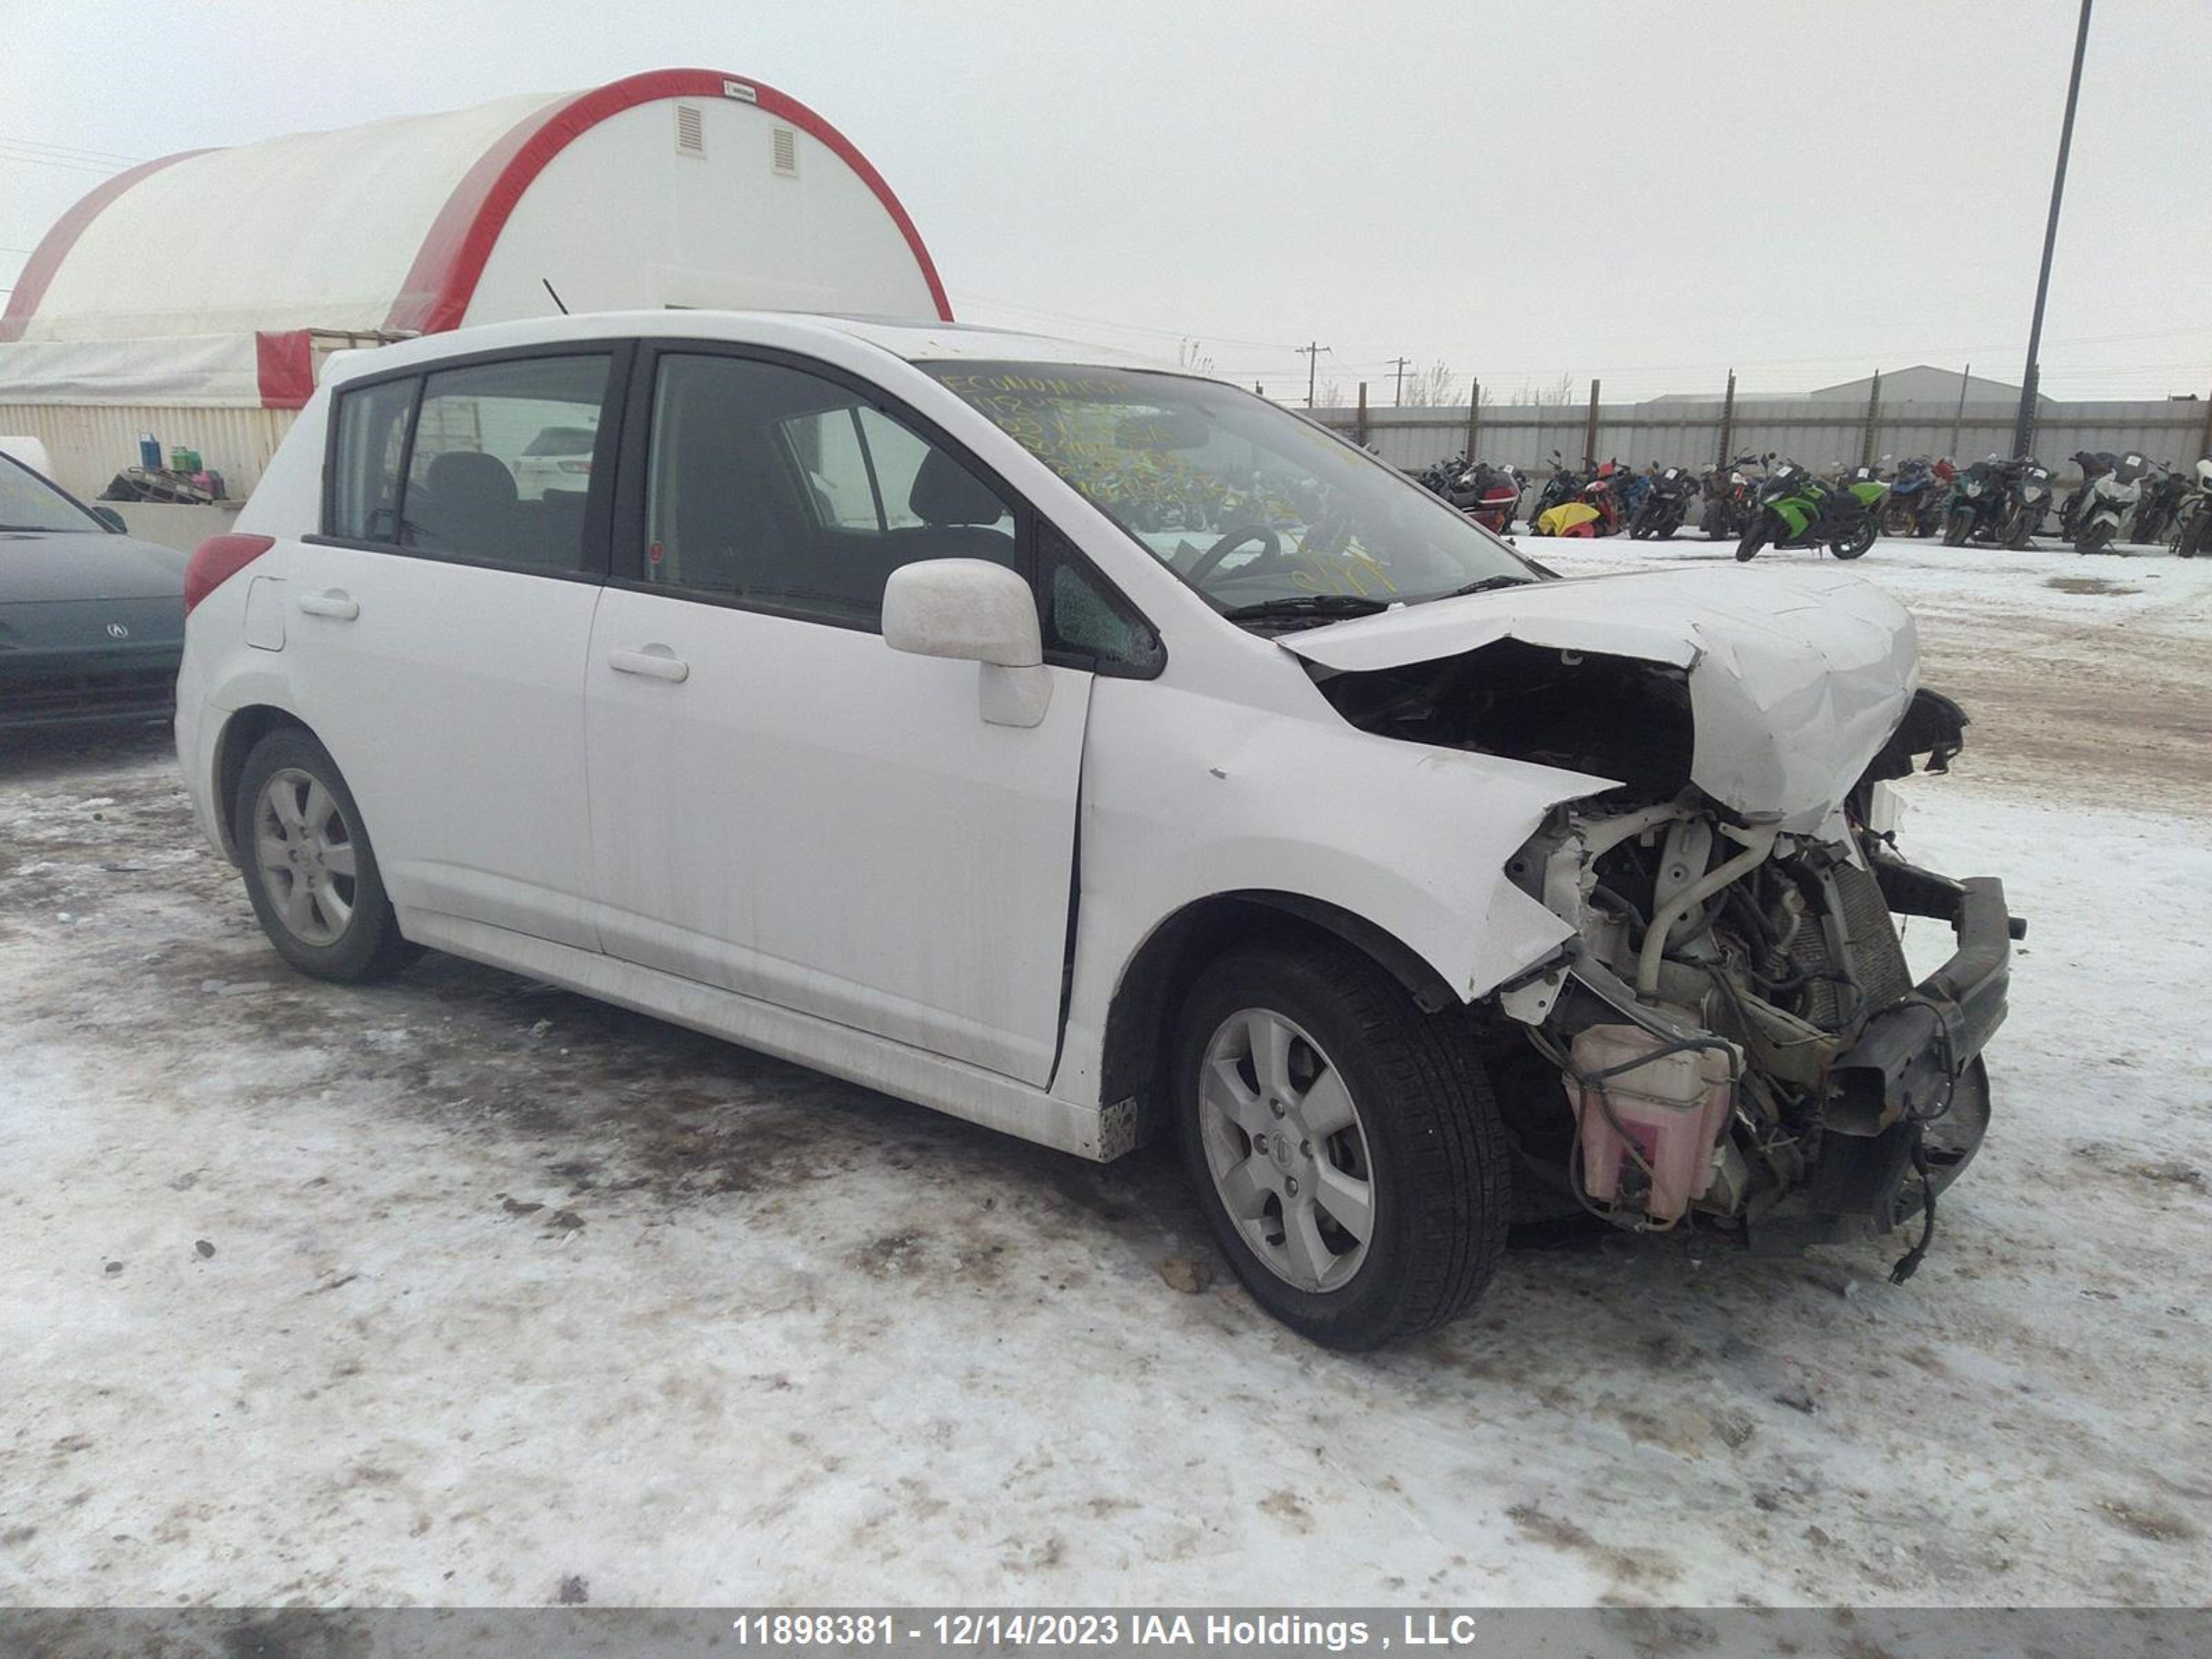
[1819,433]
[90,443]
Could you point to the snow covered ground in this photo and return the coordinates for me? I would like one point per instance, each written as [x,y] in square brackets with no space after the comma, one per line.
[463,1290]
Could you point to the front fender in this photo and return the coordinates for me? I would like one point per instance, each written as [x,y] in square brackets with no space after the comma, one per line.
[1186,797]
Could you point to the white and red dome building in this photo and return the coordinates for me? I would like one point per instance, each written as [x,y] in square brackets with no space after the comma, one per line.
[192,297]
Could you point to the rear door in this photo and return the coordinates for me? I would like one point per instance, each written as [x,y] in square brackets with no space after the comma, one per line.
[781,805]
[439,629]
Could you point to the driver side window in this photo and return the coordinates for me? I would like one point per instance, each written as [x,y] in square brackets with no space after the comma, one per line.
[765,483]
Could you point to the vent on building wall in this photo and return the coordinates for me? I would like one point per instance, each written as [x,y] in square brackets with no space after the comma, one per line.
[786,152]
[691,131]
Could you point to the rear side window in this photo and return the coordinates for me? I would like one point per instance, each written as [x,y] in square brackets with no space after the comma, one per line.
[493,461]
[501,465]
[372,441]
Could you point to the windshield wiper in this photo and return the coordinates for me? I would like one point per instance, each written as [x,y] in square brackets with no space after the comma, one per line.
[1486,585]
[1309,604]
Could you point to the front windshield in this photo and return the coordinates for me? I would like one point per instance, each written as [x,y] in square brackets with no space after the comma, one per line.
[29,502]
[1253,507]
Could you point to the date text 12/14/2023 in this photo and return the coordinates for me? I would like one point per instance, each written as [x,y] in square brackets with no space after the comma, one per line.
[953,1630]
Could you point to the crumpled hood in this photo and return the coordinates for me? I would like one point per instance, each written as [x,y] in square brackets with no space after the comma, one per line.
[1797,677]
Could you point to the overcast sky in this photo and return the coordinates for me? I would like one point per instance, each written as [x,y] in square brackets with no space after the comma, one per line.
[1649,192]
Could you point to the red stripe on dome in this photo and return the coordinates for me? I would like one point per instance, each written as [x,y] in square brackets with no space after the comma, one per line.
[37,274]
[443,278]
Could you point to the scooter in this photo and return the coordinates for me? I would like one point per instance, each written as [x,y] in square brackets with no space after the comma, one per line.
[1664,506]
[2111,494]
[1796,509]
[2192,521]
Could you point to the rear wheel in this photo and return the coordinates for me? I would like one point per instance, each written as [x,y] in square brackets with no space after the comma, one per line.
[1344,1146]
[1896,519]
[1855,541]
[310,872]
[1754,537]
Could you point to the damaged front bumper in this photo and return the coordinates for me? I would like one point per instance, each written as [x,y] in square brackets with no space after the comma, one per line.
[1811,1114]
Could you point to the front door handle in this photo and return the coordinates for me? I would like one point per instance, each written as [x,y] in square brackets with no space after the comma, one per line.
[655,661]
[334,604]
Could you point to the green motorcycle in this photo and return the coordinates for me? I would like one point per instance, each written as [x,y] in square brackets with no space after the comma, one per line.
[1795,508]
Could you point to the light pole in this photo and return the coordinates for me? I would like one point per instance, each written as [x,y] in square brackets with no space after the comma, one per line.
[2028,379]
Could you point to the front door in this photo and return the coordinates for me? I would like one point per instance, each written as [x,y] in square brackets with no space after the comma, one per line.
[781,805]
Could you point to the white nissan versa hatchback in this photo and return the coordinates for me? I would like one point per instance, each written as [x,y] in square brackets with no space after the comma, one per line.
[1089,750]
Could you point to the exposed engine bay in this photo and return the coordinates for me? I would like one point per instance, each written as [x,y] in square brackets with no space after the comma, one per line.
[1731,1038]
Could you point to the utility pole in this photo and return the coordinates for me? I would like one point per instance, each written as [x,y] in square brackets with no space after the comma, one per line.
[1590,430]
[1959,417]
[1474,417]
[1311,352]
[1873,419]
[1398,382]
[1359,421]
[2027,422]
[1728,419]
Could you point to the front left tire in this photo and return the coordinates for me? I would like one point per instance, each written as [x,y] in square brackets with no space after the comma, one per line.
[310,871]
[1344,1146]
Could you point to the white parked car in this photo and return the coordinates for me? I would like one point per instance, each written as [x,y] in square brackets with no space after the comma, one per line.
[1093,750]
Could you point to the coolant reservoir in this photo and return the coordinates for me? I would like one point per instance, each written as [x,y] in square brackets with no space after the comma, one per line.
[1672,1107]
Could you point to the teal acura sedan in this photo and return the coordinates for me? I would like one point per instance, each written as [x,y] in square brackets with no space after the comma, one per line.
[92,620]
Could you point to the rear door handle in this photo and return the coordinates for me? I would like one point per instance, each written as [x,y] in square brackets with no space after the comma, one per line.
[334,604]
[655,661]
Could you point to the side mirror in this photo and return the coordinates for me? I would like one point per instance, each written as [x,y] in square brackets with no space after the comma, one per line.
[112,519]
[973,611]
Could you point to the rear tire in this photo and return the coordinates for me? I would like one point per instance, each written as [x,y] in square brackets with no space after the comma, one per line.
[1853,544]
[310,872]
[1394,1127]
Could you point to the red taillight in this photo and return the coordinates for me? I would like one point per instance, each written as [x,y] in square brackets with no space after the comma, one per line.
[216,560]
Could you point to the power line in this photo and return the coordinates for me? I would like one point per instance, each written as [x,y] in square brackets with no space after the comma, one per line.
[71,150]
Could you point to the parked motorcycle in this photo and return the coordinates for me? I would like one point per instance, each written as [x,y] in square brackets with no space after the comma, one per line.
[1562,489]
[1664,505]
[1980,504]
[1727,492]
[2192,520]
[2029,486]
[2111,497]
[2094,464]
[1439,477]
[1601,509]
[1490,494]
[1915,507]
[1795,508]
[2163,492]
